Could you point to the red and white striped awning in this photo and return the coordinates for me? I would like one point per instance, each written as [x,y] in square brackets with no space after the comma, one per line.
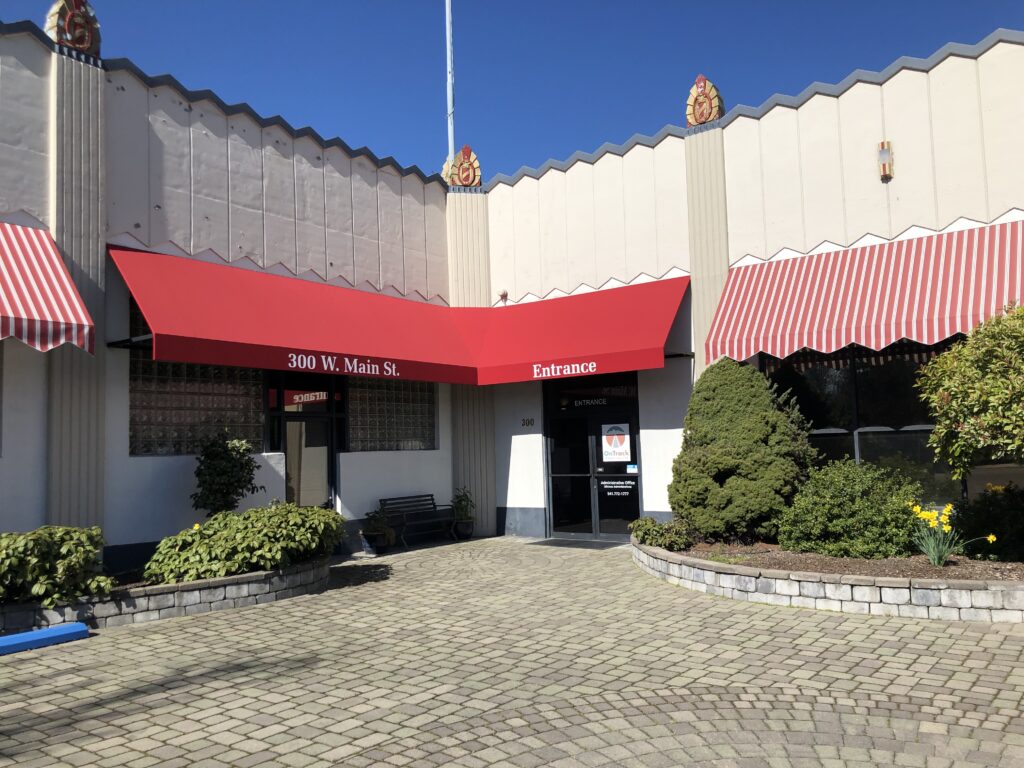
[925,289]
[39,303]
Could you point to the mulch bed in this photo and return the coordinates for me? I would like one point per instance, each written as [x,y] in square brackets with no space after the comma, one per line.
[770,556]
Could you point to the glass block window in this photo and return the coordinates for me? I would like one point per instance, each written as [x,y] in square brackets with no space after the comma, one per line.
[173,407]
[390,415]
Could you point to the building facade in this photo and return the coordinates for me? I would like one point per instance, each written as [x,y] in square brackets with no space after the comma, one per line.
[379,331]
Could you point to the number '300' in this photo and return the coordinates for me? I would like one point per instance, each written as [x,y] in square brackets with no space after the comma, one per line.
[303,362]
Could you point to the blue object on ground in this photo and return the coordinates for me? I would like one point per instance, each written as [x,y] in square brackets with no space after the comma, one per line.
[40,638]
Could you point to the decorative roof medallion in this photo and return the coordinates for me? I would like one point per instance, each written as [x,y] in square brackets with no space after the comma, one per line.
[72,23]
[463,170]
[704,104]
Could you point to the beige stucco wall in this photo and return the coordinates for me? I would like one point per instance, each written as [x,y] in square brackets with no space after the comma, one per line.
[25,68]
[186,177]
[798,177]
[614,219]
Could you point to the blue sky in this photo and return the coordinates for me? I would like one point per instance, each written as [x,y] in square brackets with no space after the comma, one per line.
[535,79]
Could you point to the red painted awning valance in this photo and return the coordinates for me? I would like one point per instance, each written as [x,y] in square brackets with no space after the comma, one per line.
[224,315]
[39,303]
[924,289]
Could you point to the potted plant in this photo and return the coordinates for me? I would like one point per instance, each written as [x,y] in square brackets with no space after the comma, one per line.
[463,506]
[376,531]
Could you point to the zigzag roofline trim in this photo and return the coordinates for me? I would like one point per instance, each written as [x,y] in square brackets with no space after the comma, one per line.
[156,81]
[911,63]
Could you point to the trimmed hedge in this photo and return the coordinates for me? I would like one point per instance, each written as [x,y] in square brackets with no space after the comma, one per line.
[671,535]
[847,509]
[258,539]
[51,565]
[745,452]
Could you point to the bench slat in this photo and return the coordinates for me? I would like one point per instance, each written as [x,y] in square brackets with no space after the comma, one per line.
[418,514]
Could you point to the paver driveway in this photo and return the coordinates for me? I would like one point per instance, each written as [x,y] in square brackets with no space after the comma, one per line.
[501,653]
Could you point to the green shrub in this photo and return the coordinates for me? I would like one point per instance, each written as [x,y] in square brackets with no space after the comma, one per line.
[847,509]
[998,510]
[672,535]
[745,452]
[224,474]
[51,565]
[975,392]
[258,539]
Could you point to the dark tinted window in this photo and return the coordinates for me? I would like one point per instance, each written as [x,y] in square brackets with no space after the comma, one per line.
[823,390]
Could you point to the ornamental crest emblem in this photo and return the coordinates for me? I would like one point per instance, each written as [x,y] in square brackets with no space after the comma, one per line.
[704,104]
[463,170]
[72,23]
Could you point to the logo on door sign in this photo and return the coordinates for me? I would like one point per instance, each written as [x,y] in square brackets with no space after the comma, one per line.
[615,443]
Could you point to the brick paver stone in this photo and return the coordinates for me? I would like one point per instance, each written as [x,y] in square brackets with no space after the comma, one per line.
[512,655]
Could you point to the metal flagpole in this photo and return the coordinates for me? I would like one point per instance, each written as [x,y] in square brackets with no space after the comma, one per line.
[451,80]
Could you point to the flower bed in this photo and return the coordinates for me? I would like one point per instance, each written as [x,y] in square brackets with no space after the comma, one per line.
[944,599]
[163,601]
[773,557]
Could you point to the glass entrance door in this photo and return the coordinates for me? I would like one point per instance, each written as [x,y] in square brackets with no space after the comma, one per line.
[592,430]
[307,461]
[616,473]
[306,422]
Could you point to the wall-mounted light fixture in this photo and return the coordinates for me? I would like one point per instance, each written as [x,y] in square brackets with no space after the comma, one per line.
[885,161]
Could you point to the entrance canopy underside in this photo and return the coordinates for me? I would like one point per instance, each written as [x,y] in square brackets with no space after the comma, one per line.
[924,289]
[223,315]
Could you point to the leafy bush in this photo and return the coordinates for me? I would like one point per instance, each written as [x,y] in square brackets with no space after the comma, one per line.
[376,524]
[258,539]
[224,473]
[745,452]
[999,510]
[847,509]
[463,505]
[975,392]
[672,535]
[51,565]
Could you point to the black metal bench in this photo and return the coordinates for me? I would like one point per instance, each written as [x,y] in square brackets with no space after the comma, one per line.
[418,517]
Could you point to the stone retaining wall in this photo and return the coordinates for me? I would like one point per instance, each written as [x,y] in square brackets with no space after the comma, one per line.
[164,601]
[876,595]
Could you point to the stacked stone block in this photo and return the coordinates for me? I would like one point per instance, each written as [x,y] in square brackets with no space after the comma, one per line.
[165,601]
[947,600]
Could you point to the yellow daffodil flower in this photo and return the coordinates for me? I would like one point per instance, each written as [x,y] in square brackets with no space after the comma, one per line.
[991,538]
[932,524]
[947,509]
[944,519]
[916,509]
[947,528]
[195,527]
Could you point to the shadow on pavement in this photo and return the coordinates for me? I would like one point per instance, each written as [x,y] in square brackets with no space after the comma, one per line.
[352,573]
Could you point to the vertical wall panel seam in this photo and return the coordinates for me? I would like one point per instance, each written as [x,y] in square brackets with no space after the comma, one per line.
[263,196]
[295,209]
[842,173]
[323,200]
[935,165]
[800,180]
[190,111]
[981,139]
[888,189]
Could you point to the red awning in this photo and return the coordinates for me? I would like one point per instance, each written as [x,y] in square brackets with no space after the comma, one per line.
[619,329]
[39,303]
[924,289]
[218,314]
